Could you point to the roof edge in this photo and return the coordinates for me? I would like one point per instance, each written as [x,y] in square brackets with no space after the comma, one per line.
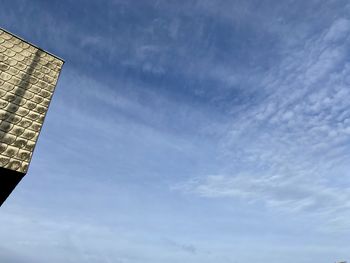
[16,36]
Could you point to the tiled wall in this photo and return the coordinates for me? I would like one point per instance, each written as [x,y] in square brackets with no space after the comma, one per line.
[28,78]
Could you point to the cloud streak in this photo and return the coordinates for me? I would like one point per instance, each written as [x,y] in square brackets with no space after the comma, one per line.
[290,149]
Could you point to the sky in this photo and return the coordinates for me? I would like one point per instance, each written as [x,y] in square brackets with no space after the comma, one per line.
[187,131]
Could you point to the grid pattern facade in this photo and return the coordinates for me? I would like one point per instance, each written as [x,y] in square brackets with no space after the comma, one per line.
[28,76]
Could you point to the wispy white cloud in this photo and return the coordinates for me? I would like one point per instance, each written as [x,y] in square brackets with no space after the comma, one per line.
[290,149]
[188,248]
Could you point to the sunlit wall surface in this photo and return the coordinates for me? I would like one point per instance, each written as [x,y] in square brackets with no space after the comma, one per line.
[28,77]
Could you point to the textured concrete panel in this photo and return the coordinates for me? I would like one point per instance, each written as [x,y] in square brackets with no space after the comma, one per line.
[28,77]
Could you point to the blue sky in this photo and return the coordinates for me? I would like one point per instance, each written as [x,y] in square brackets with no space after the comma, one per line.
[187,131]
